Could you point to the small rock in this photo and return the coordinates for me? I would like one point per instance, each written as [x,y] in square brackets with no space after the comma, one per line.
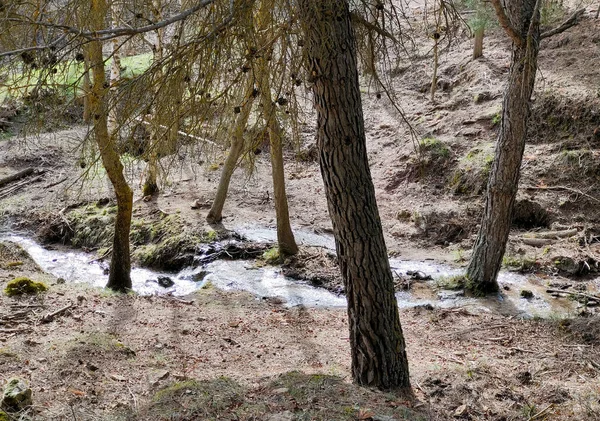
[525,293]
[281,390]
[16,396]
[460,411]
[282,416]
[158,376]
[199,277]
[118,377]
[91,367]
[165,282]
[450,295]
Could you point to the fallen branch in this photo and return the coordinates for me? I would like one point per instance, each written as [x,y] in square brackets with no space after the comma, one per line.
[50,316]
[554,234]
[25,329]
[572,190]
[21,174]
[537,242]
[572,21]
[56,183]
[574,293]
[10,190]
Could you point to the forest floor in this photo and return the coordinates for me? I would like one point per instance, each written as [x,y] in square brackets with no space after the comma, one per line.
[107,357]
[231,356]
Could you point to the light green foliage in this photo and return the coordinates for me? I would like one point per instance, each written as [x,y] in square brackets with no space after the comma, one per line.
[433,147]
[22,286]
[451,282]
[271,256]
[483,14]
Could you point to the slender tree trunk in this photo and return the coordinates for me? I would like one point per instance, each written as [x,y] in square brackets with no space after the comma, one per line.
[376,339]
[215,214]
[87,116]
[115,71]
[478,45]
[120,266]
[489,248]
[285,236]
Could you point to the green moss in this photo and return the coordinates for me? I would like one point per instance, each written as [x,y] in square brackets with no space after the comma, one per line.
[434,147]
[519,263]
[210,398]
[451,282]
[23,285]
[4,416]
[272,256]
[13,264]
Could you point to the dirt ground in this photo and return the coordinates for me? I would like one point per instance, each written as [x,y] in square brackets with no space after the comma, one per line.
[109,357]
[224,355]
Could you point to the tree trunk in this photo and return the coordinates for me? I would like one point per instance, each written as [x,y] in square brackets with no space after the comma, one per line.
[285,236]
[478,45]
[119,278]
[115,71]
[235,152]
[376,339]
[489,248]
[87,115]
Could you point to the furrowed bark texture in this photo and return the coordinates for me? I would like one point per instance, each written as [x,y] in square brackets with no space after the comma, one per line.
[490,246]
[378,348]
[119,278]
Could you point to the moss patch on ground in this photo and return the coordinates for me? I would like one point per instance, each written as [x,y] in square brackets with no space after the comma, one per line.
[302,396]
[24,286]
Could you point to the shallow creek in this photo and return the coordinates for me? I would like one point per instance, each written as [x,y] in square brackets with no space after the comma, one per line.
[77,266]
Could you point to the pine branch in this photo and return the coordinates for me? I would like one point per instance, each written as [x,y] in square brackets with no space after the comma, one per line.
[506,25]
[572,21]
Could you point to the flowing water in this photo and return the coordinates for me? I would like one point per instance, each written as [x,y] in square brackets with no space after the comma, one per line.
[77,266]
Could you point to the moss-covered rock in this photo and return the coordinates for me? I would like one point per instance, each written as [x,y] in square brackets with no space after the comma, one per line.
[16,396]
[22,286]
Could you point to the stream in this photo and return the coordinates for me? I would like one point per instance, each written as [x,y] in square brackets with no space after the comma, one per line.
[77,266]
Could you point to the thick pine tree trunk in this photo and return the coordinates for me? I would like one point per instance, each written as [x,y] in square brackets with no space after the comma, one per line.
[215,215]
[119,278]
[378,349]
[490,246]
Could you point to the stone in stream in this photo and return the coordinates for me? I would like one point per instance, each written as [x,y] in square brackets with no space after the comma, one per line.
[165,282]
[199,277]
[16,396]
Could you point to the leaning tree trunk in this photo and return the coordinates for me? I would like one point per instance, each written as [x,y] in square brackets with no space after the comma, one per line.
[215,215]
[119,278]
[489,248]
[378,349]
[285,236]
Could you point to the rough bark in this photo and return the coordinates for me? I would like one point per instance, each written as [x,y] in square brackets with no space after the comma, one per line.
[215,215]
[490,246]
[376,339]
[119,278]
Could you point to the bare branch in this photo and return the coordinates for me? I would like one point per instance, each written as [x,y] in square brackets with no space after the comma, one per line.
[572,21]
[506,25]
[107,34]
[356,18]
[37,48]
